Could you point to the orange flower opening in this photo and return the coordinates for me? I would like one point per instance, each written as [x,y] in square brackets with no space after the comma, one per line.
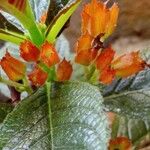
[14,68]
[37,76]
[64,70]
[120,143]
[49,55]
[29,52]
[128,64]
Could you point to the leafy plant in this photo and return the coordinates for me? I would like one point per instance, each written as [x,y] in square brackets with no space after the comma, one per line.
[62,114]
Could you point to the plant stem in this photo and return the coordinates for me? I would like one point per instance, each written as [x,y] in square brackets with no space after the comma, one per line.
[48,91]
[11,83]
[26,84]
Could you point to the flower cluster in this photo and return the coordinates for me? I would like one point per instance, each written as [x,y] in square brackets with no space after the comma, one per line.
[98,23]
[44,57]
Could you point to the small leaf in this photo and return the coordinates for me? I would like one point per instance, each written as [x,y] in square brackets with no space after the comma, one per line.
[60,19]
[130,97]
[76,114]
[134,129]
[22,11]
[9,32]
[54,7]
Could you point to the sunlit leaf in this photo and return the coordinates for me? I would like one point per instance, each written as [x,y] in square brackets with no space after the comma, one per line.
[22,11]
[60,19]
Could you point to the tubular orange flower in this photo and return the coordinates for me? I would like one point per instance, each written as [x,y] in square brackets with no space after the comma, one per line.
[98,19]
[14,68]
[28,51]
[64,70]
[84,43]
[38,76]
[128,64]
[107,75]
[120,143]
[105,58]
[49,55]
[86,57]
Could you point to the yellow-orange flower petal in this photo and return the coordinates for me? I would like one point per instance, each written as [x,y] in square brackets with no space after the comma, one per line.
[29,51]
[14,68]
[107,75]
[114,12]
[49,55]
[85,57]
[105,58]
[128,64]
[97,19]
[37,76]
[64,70]
[84,43]
[120,143]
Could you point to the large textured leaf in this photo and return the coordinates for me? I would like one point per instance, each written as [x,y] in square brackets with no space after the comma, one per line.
[130,97]
[75,117]
[5,108]
[134,129]
[22,11]
[60,19]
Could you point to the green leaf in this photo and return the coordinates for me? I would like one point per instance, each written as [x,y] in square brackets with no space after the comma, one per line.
[22,11]
[76,115]
[134,129]
[60,19]
[54,7]
[130,97]
[5,108]
[9,32]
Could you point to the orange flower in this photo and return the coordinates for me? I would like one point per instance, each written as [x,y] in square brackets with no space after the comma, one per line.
[86,57]
[28,51]
[105,58]
[107,75]
[43,17]
[64,70]
[38,76]
[120,143]
[128,64]
[98,19]
[84,43]
[14,68]
[49,55]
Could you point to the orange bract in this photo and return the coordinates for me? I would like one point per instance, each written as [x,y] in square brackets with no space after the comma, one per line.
[105,58]
[84,43]
[98,19]
[128,64]
[64,70]
[29,52]
[38,76]
[49,55]
[85,57]
[14,68]
[107,75]
[120,143]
